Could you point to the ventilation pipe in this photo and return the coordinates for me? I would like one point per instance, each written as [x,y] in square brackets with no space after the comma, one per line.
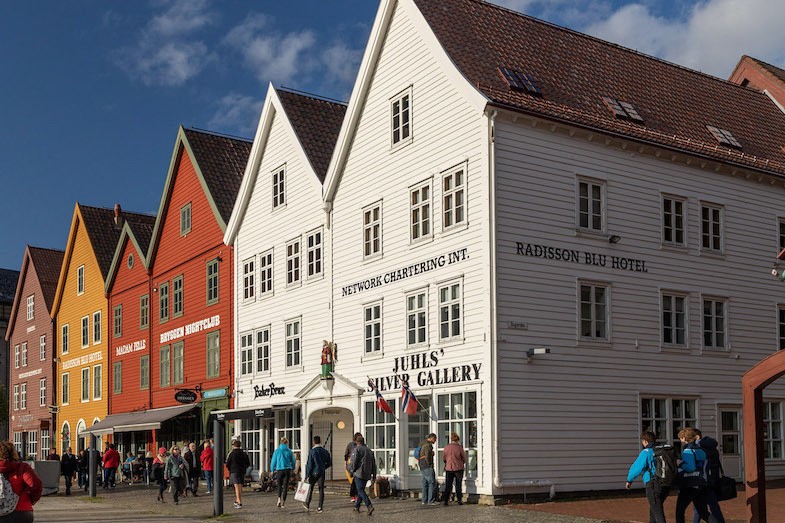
[118,216]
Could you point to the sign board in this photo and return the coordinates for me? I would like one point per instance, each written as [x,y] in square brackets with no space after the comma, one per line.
[214,393]
[242,414]
[185,396]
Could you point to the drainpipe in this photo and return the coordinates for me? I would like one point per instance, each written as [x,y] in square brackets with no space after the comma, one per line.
[497,480]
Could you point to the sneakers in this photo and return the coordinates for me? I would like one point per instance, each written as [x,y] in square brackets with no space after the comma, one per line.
[319,510]
[354,499]
[279,503]
[238,505]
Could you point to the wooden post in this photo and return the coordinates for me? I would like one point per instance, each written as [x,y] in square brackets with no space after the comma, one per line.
[754,455]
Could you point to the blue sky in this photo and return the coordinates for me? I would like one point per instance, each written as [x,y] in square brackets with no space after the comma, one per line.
[92,91]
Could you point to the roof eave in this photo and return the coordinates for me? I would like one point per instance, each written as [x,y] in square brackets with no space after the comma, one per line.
[26,260]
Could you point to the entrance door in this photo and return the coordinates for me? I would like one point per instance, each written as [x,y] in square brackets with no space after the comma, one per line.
[324,429]
[730,441]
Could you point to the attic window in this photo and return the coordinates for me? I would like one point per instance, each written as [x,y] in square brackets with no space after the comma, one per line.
[622,109]
[724,137]
[520,81]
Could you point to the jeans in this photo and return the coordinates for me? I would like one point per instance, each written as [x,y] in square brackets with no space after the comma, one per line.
[194,482]
[109,477]
[713,505]
[162,484]
[696,496]
[656,495]
[316,480]
[353,489]
[428,485]
[208,478]
[284,477]
[361,495]
[81,478]
[177,487]
[457,477]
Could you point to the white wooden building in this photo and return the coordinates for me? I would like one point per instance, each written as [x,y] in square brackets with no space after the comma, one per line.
[559,241]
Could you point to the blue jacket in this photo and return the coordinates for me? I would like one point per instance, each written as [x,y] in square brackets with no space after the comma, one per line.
[644,464]
[319,461]
[691,455]
[283,458]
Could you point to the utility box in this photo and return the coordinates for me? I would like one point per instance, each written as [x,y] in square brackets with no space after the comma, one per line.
[49,472]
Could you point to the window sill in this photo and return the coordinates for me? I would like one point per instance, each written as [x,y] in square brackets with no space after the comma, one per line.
[371,356]
[315,278]
[373,257]
[422,240]
[294,285]
[249,301]
[453,229]
[596,342]
[591,234]
[675,349]
[449,342]
[708,253]
[293,369]
[718,352]
[394,147]
[674,247]
[420,346]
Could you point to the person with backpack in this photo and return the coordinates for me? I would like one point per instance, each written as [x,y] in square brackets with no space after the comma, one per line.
[319,461]
[21,486]
[692,478]
[657,485]
[282,465]
[714,473]
[363,467]
[427,469]
[346,455]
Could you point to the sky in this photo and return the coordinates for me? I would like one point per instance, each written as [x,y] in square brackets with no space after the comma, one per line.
[92,92]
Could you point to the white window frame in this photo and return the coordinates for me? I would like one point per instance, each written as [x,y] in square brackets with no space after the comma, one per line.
[293,262]
[17,356]
[85,397]
[23,396]
[314,254]
[293,336]
[780,326]
[593,285]
[670,416]
[704,234]
[590,210]
[372,231]
[24,354]
[45,443]
[449,304]
[453,419]
[18,443]
[772,416]
[421,213]
[85,331]
[246,353]
[31,307]
[186,219]
[32,444]
[451,195]
[64,338]
[249,280]
[42,392]
[373,321]
[80,280]
[98,381]
[405,134]
[780,234]
[416,318]
[725,323]
[97,328]
[375,421]
[672,297]
[279,187]
[65,388]
[42,347]
[266,273]
[673,217]
[262,351]
[16,397]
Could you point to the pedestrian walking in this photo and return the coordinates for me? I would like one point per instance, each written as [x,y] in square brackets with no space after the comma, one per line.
[53,456]
[82,467]
[159,475]
[68,466]
[24,482]
[346,455]
[206,457]
[319,461]
[238,463]
[175,471]
[454,457]
[363,468]
[426,468]
[282,465]
[692,480]
[111,461]
[191,457]
[645,466]
[714,472]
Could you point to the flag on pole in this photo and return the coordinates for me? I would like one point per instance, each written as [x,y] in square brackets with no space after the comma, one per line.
[408,399]
[381,403]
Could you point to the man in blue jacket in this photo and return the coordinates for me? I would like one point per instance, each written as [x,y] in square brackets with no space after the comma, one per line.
[644,465]
[319,461]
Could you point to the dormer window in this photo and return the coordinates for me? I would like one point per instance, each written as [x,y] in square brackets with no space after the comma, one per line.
[724,137]
[621,109]
[519,81]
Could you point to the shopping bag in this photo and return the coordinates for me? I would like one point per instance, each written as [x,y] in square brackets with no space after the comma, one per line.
[303,489]
[726,488]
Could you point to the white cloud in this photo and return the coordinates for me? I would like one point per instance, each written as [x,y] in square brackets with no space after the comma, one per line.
[342,64]
[182,17]
[236,114]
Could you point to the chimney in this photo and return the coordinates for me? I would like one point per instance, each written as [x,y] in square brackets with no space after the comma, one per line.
[118,216]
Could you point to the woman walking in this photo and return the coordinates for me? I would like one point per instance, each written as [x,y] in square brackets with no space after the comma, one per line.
[175,471]
[24,482]
[159,463]
[238,463]
[454,457]
[282,465]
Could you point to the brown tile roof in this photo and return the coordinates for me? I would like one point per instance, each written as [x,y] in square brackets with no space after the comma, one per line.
[142,227]
[222,161]
[47,263]
[8,281]
[575,71]
[317,124]
[776,71]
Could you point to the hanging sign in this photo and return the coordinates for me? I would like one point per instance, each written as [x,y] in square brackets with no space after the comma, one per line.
[185,396]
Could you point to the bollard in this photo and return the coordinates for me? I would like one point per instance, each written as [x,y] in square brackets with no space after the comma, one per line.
[218,468]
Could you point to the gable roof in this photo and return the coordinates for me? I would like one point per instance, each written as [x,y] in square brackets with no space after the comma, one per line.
[574,72]
[8,280]
[773,69]
[139,230]
[316,123]
[47,263]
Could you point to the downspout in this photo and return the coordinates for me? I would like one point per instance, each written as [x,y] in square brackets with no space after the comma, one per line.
[497,480]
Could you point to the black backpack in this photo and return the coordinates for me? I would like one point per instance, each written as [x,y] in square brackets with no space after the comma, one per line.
[665,468]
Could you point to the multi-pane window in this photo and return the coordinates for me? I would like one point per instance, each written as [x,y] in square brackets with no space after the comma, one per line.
[591,203]
[416,319]
[144,311]
[17,354]
[86,384]
[177,297]
[32,444]
[178,362]
[266,272]
[263,350]
[18,443]
[42,392]
[450,317]
[674,319]
[401,113]
[457,413]
[279,188]
[45,442]
[711,227]
[781,326]
[85,331]
[42,347]
[665,417]
[24,354]
[289,424]
[454,198]
[772,430]
[293,262]
[164,366]
[246,354]
[97,327]
[30,307]
[249,279]
[214,354]
[372,328]
[714,323]
[380,436]
[64,339]
[420,212]
[313,253]
[23,396]
[780,234]
[65,388]
[673,221]
[16,397]
[163,302]
[144,372]
[98,376]
[293,339]
[117,379]
[212,282]
[118,321]
[80,279]
[594,311]
[372,230]
[185,219]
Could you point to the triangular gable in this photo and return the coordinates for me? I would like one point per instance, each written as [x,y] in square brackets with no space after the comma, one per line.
[141,249]
[76,221]
[343,387]
[18,293]
[367,70]
[55,257]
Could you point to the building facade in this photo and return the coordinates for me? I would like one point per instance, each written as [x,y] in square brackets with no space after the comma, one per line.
[8,285]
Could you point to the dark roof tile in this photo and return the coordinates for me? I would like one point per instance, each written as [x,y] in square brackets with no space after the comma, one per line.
[47,263]
[8,281]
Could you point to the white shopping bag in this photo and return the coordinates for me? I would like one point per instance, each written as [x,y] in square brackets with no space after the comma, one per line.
[303,489]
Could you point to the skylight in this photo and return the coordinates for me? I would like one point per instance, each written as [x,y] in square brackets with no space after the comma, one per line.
[622,109]
[724,137]
[520,81]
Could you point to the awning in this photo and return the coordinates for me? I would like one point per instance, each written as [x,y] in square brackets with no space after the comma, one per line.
[140,420]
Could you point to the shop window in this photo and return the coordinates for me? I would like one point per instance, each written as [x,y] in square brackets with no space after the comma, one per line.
[32,445]
[380,436]
[457,412]
[45,443]
[18,444]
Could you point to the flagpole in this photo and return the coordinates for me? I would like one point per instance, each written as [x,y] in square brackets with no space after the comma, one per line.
[417,400]
[370,382]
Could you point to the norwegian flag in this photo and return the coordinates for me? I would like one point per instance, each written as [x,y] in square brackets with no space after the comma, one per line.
[408,399]
[381,403]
